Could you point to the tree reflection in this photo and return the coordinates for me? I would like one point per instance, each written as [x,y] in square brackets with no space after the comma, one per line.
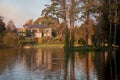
[113,67]
[100,59]
[78,63]
[7,59]
[87,66]
[110,67]
[69,65]
[106,64]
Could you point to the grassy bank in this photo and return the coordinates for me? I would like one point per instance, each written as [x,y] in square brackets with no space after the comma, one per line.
[49,45]
[76,48]
[90,48]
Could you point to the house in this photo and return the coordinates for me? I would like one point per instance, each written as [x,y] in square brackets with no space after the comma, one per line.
[40,30]
[21,31]
[47,32]
[36,32]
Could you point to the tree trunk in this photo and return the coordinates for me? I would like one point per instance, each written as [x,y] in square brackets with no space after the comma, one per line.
[115,22]
[72,18]
[64,12]
[110,24]
[72,21]
[87,20]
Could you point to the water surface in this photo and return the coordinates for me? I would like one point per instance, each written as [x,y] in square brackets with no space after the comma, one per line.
[57,64]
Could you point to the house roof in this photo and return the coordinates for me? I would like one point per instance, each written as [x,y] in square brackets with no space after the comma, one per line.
[37,26]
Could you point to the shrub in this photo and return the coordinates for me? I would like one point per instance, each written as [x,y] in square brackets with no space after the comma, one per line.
[40,40]
[10,40]
[81,42]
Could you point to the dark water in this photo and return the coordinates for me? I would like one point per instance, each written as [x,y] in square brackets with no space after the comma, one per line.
[55,64]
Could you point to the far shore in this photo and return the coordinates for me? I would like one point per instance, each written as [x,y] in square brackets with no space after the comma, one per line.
[49,45]
[76,47]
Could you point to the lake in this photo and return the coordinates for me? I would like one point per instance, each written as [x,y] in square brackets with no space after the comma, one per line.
[57,64]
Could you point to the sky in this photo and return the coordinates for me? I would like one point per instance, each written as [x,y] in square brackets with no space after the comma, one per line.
[21,11]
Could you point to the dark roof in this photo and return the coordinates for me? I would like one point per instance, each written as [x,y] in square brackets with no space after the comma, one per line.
[37,26]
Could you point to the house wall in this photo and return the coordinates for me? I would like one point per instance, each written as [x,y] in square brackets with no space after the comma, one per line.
[38,34]
[48,32]
[21,31]
[35,29]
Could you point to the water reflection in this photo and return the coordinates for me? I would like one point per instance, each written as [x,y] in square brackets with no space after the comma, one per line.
[57,64]
[79,66]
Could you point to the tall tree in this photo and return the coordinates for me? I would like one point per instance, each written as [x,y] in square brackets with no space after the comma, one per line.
[115,20]
[71,14]
[2,28]
[2,24]
[110,23]
[67,11]
[56,9]
[51,22]
[29,22]
[11,26]
[89,8]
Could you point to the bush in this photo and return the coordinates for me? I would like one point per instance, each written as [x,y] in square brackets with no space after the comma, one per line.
[81,42]
[10,40]
[40,40]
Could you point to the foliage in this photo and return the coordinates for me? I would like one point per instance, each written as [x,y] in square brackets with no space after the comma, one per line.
[28,33]
[39,40]
[48,40]
[53,23]
[81,41]
[72,39]
[90,48]
[2,25]
[50,21]
[10,26]
[54,33]
[66,11]
[67,36]
[29,22]
[10,39]
[2,28]
[56,9]
[105,28]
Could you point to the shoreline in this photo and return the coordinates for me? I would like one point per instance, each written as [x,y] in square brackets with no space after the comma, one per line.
[75,48]
[49,46]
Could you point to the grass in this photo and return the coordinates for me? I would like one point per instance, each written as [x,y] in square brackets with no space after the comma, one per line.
[90,48]
[50,45]
[76,47]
